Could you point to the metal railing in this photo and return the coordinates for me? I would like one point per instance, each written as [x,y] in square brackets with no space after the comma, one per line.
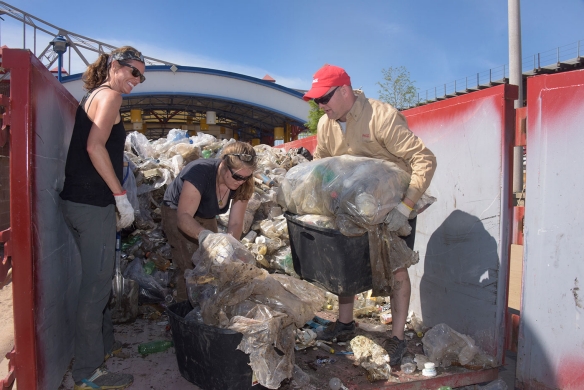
[557,59]
[43,33]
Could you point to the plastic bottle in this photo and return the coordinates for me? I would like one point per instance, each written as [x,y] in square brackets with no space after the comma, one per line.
[149,267]
[325,347]
[408,365]
[366,311]
[418,326]
[249,237]
[429,369]
[154,346]
[385,318]
[301,378]
[336,384]
[264,178]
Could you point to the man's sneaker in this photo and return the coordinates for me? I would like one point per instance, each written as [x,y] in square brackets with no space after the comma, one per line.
[102,379]
[338,330]
[116,349]
[396,349]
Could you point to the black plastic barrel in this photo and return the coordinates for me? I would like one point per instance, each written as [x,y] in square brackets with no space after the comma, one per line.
[338,263]
[206,355]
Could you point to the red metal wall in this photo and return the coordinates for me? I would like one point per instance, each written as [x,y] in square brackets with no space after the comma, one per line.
[309,143]
[551,333]
[4,187]
[44,267]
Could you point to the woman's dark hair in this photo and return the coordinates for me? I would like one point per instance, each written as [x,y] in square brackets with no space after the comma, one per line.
[230,158]
[97,73]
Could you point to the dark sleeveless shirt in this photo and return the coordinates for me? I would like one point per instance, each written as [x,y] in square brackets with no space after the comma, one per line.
[201,173]
[83,184]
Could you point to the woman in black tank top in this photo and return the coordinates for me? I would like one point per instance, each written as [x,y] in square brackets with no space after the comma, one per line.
[92,193]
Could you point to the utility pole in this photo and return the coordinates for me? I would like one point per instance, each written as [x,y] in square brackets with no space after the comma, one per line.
[515,71]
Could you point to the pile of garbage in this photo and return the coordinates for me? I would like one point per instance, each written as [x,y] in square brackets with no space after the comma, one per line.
[227,290]
[250,286]
[152,165]
[245,286]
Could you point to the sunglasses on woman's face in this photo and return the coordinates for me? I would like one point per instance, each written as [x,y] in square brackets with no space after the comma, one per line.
[135,71]
[237,177]
[243,157]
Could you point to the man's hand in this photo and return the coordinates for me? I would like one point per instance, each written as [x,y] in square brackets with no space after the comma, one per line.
[397,220]
[203,234]
[125,210]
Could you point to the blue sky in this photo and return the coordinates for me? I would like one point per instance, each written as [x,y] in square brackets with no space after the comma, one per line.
[437,41]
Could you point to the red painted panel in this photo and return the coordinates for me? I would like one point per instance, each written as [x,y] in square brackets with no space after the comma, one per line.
[550,346]
[520,126]
[518,217]
[571,372]
[25,357]
[42,115]
[309,143]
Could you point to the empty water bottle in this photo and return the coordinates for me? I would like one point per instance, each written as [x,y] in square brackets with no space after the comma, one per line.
[154,346]
[300,378]
[336,384]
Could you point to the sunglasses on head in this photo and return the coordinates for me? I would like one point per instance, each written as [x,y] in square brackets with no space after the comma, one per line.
[237,177]
[243,157]
[128,55]
[326,98]
[135,71]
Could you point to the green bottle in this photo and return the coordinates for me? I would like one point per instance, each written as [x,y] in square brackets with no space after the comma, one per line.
[149,267]
[445,388]
[154,346]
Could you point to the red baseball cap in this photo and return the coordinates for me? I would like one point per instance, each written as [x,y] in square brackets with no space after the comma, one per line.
[326,77]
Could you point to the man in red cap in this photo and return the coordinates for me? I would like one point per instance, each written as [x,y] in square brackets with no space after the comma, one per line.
[359,126]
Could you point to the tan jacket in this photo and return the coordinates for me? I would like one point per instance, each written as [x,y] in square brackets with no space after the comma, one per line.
[376,129]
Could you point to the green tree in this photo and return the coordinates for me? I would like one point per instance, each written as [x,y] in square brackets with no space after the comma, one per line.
[313,116]
[397,89]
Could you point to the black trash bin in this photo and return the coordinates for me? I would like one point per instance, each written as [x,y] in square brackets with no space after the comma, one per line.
[206,355]
[338,263]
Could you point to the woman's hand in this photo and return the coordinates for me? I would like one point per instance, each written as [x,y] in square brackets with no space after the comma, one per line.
[125,210]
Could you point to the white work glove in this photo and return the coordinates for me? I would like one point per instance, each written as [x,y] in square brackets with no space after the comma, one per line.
[125,210]
[203,234]
[397,220]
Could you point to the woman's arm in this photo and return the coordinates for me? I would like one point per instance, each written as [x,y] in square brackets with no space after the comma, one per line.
[188,204]
[236,214]
[104,112]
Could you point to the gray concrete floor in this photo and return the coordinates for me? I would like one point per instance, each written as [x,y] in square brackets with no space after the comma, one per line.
[160,371]
[509,369]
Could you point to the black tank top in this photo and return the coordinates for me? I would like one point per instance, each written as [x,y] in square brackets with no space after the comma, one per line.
[83,184]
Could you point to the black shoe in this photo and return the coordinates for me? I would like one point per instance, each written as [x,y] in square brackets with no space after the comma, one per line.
[338,330]
[396,349]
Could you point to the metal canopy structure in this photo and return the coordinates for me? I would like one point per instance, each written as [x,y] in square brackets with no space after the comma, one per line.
[165,112]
